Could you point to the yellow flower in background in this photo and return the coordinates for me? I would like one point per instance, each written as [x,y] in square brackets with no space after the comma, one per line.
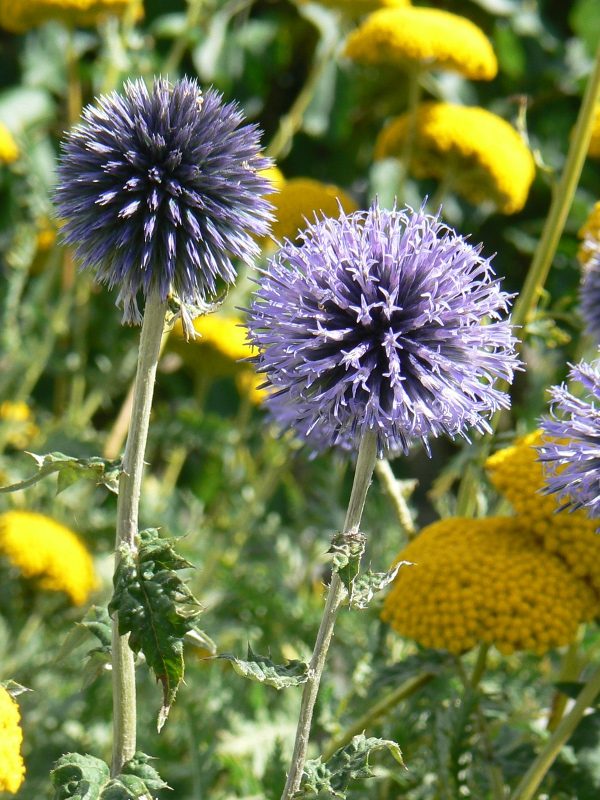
[357,8]
[19,16]
[594,148]
[590,233]
[41,548]
[519,476]
[479,154]
[275,176]
[486,580]
[299,199]
[423,37]
[12,768]
[9,151]
[17,427]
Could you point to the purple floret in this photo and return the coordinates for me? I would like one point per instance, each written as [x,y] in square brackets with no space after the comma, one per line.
[158,189]
[385,321]
[590,295]
[571,455]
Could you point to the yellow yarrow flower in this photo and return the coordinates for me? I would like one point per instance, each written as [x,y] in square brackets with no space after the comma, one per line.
[19,16]
[299,199]
[425,38]
[275,176]
[479,154]
[357,8]
[594,148]
[16,424]
[9,151]
[571,535]
[486,580]
[41,548]
[590,233]
[12,768]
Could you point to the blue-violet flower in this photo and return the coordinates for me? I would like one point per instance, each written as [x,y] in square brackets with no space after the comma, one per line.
[571,453]
[590,295]
[385,321]
[159,189]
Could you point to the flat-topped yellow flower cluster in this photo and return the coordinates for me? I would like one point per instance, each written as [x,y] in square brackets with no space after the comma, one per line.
[12,768]
[19,16]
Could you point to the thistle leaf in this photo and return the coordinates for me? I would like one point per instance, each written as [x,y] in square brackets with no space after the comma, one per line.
[347,549]
[88,778]
[348,764]
[263,670]
[156,608]
[366,585]
[70,469]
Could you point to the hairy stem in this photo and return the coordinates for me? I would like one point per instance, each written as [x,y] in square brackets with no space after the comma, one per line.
[536,773]
[130,483]
[365,465]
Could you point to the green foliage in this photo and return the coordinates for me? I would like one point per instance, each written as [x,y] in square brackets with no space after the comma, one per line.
[367,584]
[84,777]
[69,470]
[156,608]
[261,669]
[347,549]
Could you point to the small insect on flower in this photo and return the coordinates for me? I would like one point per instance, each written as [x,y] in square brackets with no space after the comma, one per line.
[158,189]
[571,454]
[384,321]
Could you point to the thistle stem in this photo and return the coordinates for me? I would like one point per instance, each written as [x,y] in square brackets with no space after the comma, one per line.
[536,773]
[365,465]
[130,482]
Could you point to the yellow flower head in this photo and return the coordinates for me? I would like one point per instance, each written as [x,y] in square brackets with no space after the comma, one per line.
[19,16]
[12,768]
[481,155]
[16,424]
[486,580]
[300,199]
[590,233]
[43,549]
[9,151]
[594,148]
[275,176]
[519,476]
[425,37]
[357,8]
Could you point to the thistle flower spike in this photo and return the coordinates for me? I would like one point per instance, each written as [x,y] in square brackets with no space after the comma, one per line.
[375,322]
[160,188]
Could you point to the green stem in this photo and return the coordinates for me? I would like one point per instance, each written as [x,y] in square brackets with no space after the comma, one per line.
[536,773]
[386,704]
[130,483]
[181,44]
[570,670]
[394,491]
[413,100]
[561,202]
[365,465]
[480,665]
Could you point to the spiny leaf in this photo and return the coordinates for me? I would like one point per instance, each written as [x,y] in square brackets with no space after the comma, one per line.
[347,549]
[263,670]
[366,585]
[349,763]
[88,778]
[156,607]
[13,688]
[69,470]
[200,639]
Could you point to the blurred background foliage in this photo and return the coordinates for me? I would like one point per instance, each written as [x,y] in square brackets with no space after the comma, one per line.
[254,510]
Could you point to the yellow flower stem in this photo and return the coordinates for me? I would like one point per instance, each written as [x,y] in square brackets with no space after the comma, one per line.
[413,100]
[380,709]
[480,665]
[530,782]
[130,484]
[394,491]
[561,202]
[570,669]
[367,455]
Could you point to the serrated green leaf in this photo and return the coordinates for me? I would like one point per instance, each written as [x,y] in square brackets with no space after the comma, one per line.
[98,662]
[79,777]
[139,766]
[69,470]
[366,585]
[347,549]
[263,670]
[156,608]
[13,688]
[348,764]
[200,639]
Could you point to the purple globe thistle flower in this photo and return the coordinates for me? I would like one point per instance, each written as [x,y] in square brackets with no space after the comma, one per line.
[159,188]
[571,454]
[375,321]
[590,295]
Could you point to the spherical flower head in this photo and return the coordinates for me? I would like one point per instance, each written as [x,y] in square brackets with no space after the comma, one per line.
[486,580]
[423,37]
[160,188]
[589,295]
[479,154]
[12,768]
[375,321]
[572,456]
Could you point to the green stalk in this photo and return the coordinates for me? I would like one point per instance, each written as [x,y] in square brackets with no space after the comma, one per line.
[394,491]
[561,202]
[385,705]
[536,773]
[413,100]
[130,484]
[365,465]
